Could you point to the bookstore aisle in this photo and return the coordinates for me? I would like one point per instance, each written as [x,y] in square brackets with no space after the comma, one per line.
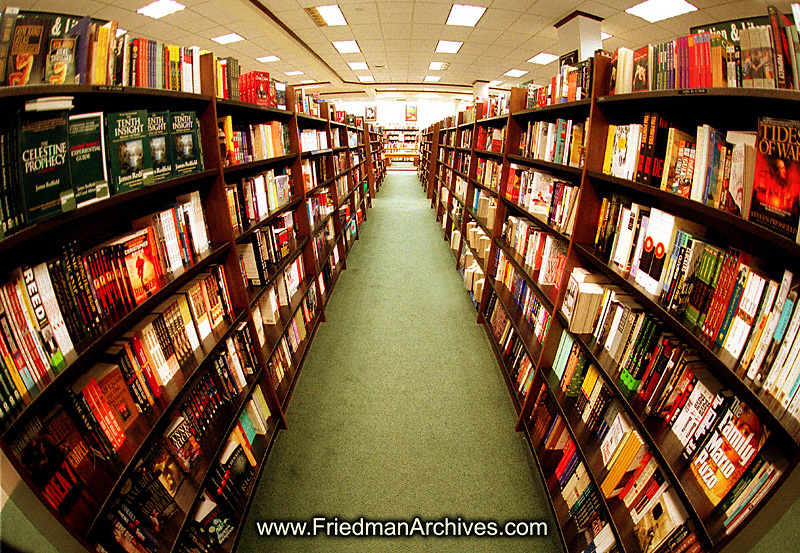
[401,410]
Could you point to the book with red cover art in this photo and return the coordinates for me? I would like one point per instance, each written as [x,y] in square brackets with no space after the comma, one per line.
[141,260]
[776,185]
[730,448]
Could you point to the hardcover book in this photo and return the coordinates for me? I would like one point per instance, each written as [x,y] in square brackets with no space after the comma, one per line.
[29,49]
[129,155]
[187,148]
[87,157]
[43,164]
[730,448]
[776,185]
[60,68]
[160,146]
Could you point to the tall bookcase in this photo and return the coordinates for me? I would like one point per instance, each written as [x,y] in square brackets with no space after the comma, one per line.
[87,516]
[376,167]
[737,109]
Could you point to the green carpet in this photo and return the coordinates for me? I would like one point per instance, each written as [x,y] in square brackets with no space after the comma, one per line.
[400,409]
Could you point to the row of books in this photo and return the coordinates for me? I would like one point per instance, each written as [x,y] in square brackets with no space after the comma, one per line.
[319,206]
[466,138]
[282,360]
[572,82]
[84,158]
[312,140]
[749,174]
[489,107]
[99,409]
[762,52]
[474,275]
[253,198]
[341,163]
[543,194]
[513,352]
[262,251]
[533,309]
[315,172]
[490,138]
[488,173]
[246,143]
[560,142]
[721,293]
[52,309]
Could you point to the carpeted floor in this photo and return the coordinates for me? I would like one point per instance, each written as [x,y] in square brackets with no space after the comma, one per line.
[400,410]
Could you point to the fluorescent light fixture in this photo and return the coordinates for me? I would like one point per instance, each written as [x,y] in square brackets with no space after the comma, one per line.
[514,73]
[604,36]
[160,8]
[465,16]
[658,10]
[436,66]
[268,59]
[432,78]
[448,47]
[346,46]
[332,15]
[358,65]
[391,88]
[495,83]
[294,73]
[543,58]
[121,32]
[366,78]
[227,39]
[307,81]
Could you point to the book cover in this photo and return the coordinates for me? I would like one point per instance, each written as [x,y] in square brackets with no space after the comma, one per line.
[60,63]
[776,185]
[160,145]
[29,48]
[43,164]
[732,444]
[659,522]
[187,148]
[182,442]
[87,157]
[130,161]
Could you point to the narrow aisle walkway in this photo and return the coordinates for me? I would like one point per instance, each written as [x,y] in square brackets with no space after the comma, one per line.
[400,410]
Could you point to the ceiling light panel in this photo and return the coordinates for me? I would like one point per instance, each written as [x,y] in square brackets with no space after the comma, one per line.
[160,8]
[465,16]
[228,39]
[543,58]
[432,78]
[658,10]
[448,47]
[438,66]
[366,78]
[346,46]
[514,73]
[358,65]
[268,59]
[294,73]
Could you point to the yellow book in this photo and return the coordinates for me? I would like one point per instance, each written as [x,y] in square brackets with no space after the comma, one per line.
[101,55]
[609,149]
[628,455]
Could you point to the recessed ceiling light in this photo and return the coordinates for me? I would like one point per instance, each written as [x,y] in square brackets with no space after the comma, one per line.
[448,47]
[543,58]
[121,32]
[495,83]
[268,59]
[327,16]
[227,39]
[160,8]
[358,66]
[366,78]
[658,10]
[346,46]
[514,73]
[432,78]
[465,16]
[604,36]
[436,66]
[307,81]
[391,88]
[294,73]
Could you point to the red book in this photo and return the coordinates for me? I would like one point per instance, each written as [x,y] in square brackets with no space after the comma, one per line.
[569,449]
[144,363]
[102,412]
[639,469]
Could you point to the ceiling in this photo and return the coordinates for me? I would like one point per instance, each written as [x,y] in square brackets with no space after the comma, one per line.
[397,38]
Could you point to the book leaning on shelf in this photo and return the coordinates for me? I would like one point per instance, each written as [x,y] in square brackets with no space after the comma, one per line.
[85,157]
[256,197]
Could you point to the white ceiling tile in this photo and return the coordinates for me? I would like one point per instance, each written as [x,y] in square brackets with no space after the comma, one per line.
[63,6]
[158,30]
[529,24]
[392,12]
[513,5]
[366,32]
[189,20]
[419,30]
[338,32]
[361,13]
[126,19]
[597,8]
[396,31]
[431,13]
[451,32]
[213,11]
[395,45]
[509,39]
[553,10]
[423,46]
[623,22]
[496,19]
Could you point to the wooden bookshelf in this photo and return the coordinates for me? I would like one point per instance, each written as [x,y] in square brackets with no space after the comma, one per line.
[88,521]
[725,108]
